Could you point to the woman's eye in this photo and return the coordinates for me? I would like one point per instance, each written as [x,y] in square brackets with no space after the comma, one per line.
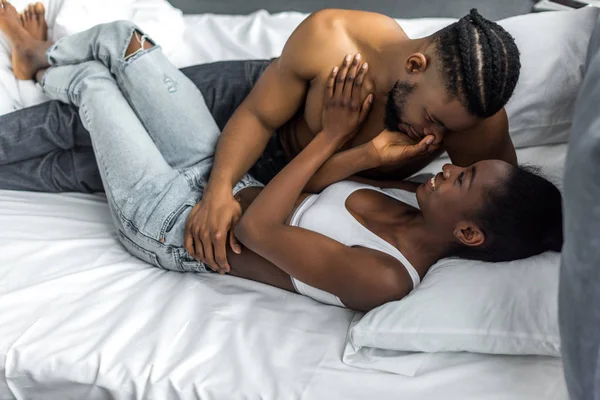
[460,177]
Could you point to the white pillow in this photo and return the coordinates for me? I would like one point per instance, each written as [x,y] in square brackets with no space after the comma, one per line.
[504,308]
[461,305]
[553,48]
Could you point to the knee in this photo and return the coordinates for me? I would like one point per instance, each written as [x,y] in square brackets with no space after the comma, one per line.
[115,34]
[122,26]
[90,75]
[137,43]
[94,70]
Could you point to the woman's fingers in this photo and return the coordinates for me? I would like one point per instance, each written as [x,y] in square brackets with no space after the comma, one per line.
[364,110]
[341,77]
[351,76]
[331,82]
[358,83]
[422,147]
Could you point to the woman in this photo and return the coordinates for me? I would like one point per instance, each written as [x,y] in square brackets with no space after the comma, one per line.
[353,245]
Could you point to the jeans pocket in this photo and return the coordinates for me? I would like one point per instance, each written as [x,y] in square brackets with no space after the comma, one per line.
[170,222]
[186,263]
[138,251]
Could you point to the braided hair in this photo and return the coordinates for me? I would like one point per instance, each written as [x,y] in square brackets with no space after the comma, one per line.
[479,62]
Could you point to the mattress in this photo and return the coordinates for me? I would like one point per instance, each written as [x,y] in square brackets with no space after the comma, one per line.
[81,318]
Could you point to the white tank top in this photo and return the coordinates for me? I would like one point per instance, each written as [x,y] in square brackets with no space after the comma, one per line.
[326,213]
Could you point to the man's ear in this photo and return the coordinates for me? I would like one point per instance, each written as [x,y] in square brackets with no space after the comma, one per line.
[469,234]
[417,62]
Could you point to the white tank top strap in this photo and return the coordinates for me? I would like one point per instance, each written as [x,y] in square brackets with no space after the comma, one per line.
[412,271]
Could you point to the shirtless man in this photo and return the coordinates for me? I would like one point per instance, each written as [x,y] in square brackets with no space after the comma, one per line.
[443,92]
[451,86]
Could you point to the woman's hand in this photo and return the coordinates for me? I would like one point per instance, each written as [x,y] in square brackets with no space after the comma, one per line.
[344,110]
[395,148]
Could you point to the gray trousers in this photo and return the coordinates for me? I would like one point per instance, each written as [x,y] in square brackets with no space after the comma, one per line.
[46,148]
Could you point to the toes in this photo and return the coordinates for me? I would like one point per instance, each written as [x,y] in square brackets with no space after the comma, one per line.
[7,5]
[40,9]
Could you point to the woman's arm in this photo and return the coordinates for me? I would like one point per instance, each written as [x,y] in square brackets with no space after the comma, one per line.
[404,185]
[338,269]
[329,265]
[342,115]
[308,256]
[388,149]
[342,166]
[311,257]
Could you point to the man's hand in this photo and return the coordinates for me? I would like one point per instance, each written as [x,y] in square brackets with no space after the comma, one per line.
[396,148]
[207,228]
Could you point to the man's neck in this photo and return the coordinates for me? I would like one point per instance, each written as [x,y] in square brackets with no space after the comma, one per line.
[389,61]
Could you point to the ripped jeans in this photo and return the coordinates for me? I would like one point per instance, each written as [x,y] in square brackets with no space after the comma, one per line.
[152,134]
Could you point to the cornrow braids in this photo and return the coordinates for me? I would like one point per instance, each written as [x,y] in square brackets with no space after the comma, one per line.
[479,62]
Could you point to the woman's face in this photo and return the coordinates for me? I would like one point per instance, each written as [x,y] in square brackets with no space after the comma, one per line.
[450,199]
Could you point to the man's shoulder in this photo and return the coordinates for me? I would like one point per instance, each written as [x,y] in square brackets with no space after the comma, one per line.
[488,139]
[326,36]
[364,25]
[492,127]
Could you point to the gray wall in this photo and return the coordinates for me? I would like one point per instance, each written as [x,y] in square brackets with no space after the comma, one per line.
[492,9]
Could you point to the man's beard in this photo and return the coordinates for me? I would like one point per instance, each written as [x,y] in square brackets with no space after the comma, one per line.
[395,104]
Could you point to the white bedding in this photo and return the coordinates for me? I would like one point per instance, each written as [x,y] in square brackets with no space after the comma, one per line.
[80,318]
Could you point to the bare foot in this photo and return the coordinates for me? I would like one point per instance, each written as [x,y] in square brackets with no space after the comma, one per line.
[28,54]
[33,19]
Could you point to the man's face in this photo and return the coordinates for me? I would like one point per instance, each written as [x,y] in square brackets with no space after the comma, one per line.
[423,108]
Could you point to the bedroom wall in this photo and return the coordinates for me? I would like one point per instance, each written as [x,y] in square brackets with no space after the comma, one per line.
[493,9]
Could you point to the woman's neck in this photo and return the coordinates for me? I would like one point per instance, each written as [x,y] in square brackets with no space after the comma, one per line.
[421,242]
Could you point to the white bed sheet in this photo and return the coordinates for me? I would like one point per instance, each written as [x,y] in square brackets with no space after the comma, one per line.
[81,318]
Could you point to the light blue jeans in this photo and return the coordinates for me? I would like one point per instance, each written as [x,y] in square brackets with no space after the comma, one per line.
[152,133]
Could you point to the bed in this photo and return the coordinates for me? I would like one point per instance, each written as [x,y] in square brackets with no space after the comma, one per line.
[81,318]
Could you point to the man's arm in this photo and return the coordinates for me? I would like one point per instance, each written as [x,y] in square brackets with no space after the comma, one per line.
[276,97]
[488,140]
[274,100]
